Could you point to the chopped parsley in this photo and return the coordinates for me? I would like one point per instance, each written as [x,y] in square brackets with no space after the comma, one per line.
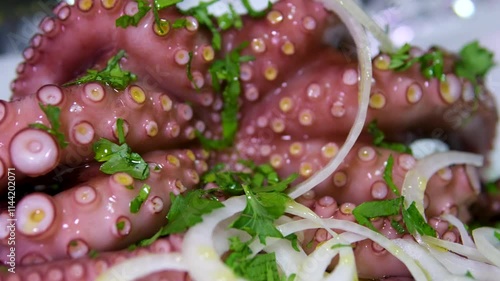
[431,63]
[126,20]
[469,274]
[374,209]
[415,222]
[254,13]
[228,20]
[136,203]
[93,254]
[120,158]
[388,175]
[186,211]
[180,23]
[188,70]
[200,12]
[53,113]
[225,75]
[491,188]
[261,267]
[497,235]
[336,246]
[379,139]
[120,225]
[412,218]
[112,75]
[474,62]
[265,202]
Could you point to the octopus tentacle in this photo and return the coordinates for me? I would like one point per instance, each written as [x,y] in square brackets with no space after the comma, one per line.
[360,177]
[88,113]
[321,98]
[292,32]
[89,268]
[52,228]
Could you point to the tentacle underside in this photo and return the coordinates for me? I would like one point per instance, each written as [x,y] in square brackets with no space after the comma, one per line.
[299,98]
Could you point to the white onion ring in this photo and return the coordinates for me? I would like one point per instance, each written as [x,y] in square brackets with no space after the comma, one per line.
[365,65]
[487,244]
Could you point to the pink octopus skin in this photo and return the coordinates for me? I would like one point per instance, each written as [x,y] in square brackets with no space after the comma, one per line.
[152,120]
[168,62]
[320,100]
[88,268]
[299,98]
[87,216]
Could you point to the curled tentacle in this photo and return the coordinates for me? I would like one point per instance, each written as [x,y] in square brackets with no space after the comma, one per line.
[152,120]
[52,228]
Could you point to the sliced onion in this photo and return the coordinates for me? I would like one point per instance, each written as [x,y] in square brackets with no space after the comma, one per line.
[304,212]
[137,267]
[287,257]
[363,51]
[198,250]
[487,243]
[425,260]
[466,251]
[416,179]
[346,268]
[460,266]
[464,235]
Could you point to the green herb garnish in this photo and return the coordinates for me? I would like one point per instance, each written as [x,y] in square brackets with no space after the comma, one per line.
[336,246]
[379,139]
[225,76]
[52,113]
[474,62]
[126,20]
[388,175]
[431,64]
[112,75]
[415,222]
[497,235]
[93,254]
[180,23]
[262,267]
[120,158]
[228,20]
[469,274]
[120,225]
[188,71]
[136,203]
[375,209]
[265,202]
[186,211]
[491,188]
[200,12]
[254,13]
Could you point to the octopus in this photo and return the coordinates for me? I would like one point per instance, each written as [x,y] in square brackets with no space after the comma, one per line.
[298,102]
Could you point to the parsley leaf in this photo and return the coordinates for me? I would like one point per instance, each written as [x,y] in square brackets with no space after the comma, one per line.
[227,71]
[491,188]
[136,203]
[112,75]
[374,209]
[93,254]
[258,217]
[262,267]
[254,13]
[474,62]
[415,222]
[388,175]
[126,20]
[120,158]
[186,211]
[200,12]
[379,139]
[469,274]
[188,71]
[497,235]
[431,63]
[229,20]
[53,113]
[180,23]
